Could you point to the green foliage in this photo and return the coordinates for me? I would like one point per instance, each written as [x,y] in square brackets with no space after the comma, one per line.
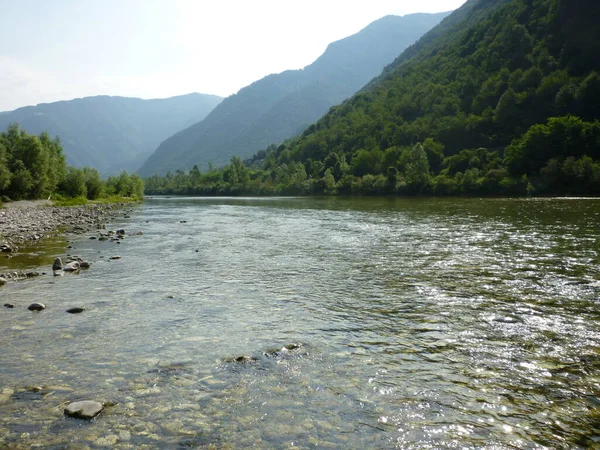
[75,201]
[94,186]
[74,183]
[33,167]
[125,185]
[560,137]
[501,99]
[30,166]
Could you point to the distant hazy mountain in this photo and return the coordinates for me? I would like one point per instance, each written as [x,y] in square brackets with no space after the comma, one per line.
[282,105]
[112,134]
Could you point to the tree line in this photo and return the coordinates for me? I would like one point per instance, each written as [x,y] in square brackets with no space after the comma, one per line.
[34,167]
[560,157]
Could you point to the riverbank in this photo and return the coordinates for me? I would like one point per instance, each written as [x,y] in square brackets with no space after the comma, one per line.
[24,223]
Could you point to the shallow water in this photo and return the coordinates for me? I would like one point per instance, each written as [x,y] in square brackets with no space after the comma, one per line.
[412,323]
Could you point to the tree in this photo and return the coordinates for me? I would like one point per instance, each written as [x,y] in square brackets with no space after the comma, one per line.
[74,183]
[93,183]
[5,174]
[416,172]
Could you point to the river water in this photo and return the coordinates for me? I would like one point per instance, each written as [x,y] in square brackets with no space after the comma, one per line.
[409,323]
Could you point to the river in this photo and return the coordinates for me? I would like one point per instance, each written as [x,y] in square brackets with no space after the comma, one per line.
[409,323]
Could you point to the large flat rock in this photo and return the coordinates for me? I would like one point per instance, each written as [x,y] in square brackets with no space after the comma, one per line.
[85,409]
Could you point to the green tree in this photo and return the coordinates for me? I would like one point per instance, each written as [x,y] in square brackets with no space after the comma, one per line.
[74,183]
[5,174]
[93,184]
[416,172]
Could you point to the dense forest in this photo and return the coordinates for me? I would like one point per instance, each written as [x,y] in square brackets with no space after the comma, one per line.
[502,98]
[34,167]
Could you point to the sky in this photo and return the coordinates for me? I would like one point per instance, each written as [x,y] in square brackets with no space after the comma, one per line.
[53,50]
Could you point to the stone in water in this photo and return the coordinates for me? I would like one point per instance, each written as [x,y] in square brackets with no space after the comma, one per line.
[86,409]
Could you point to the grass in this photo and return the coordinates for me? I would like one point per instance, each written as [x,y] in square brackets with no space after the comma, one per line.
[117,199]
[76,201]
[81,200]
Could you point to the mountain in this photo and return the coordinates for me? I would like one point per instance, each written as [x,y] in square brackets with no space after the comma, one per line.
[280,106]
[111,134]
[503,95]
[501,98]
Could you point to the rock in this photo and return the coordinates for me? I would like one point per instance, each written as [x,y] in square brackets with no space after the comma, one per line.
[58,273]
[5,248]
[72,266]
[57,265]
[2,281]
[183,221]
[85,409]
[107,441]
[9,305]
[124,435]
[115,257]
[279,352]
[93,238]
[75,310]
[242,359]
[85,264]
[36,306]
[121,232]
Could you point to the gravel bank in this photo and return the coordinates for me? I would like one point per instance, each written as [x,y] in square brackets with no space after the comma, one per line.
[27,221]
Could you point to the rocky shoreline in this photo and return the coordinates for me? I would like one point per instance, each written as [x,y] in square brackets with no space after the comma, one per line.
[25,222]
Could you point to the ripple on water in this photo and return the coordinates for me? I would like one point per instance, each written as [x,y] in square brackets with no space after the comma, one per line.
[432,323]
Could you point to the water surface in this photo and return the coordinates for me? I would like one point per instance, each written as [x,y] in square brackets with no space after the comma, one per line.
[412,323]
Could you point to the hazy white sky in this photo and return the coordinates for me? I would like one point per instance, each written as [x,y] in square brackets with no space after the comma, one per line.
[62,49]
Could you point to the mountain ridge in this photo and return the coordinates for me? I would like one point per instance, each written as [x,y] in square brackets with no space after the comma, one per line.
[242,123]
[111,133]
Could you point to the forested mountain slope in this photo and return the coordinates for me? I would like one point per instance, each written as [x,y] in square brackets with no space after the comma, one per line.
[280,106]
[111,134]
[504,96]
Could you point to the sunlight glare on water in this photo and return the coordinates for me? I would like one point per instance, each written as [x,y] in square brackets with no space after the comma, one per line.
[337,323]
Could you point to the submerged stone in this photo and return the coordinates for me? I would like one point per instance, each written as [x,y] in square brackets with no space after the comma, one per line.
[275,353]
[36,306]
[75,310]
[241,359]
[85,409]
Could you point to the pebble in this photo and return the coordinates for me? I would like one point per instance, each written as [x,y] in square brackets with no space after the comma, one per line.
[25,221]
[9,305]
[107,441]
